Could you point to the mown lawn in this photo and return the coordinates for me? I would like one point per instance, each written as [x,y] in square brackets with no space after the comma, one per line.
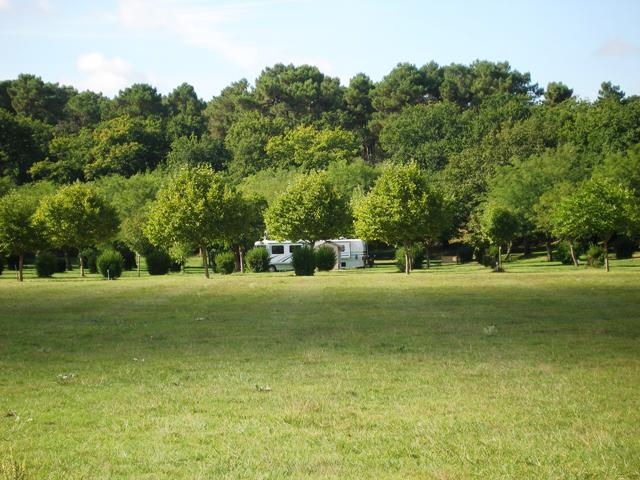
[452,373]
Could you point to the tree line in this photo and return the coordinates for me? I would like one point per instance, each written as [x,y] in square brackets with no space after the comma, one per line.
[486,144]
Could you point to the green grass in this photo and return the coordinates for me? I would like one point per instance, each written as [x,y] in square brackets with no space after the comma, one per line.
[455,372]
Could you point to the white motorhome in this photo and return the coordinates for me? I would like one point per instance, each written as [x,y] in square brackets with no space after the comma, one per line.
[350,252]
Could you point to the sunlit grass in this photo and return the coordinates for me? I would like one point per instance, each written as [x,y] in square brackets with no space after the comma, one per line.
[455,372]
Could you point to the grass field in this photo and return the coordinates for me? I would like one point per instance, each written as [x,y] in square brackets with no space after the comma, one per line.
[452,373]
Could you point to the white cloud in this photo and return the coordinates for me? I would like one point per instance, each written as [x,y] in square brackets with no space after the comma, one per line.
[45,6]
[618,48]
[106,75]
[201,26]
[5,5]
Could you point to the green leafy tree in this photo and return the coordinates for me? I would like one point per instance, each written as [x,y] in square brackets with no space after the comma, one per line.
[193,208]
[499,226]
[76,216]
[310,209]
[84,110]
[184,110]
[297,94]
[18,235]
[557,92]
[138,100]
[247,140]
[42,101]
[309,149]
[597,209]
[193,151]
[244,225]
[400,209]
[426,134]
[69,155]
[126,145]
[222,111]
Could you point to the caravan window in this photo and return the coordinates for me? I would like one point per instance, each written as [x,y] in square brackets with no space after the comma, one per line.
[293,247]
[277,249]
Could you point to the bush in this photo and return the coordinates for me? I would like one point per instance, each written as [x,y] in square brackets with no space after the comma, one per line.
[158,262]
[61,264]
[304,261]
[1,265]
[624,247]
[128,255]
[490,257]
[464,253]
[46,264]
[225,263]
[257,259]
[417,255]
[326,258]
[595,255]
[90,257]
[562,253]
[110,264]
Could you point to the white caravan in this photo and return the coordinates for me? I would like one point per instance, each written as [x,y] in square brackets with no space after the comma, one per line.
[350,252]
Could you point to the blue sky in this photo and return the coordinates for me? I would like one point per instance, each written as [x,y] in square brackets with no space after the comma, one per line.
[107,45]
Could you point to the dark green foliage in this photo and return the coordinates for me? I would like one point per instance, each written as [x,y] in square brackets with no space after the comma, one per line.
[304,261]
[326,258]
[110,263]
[128,256]
[257,259]
[464,253]
[46,264]
[1,264]
[225,263]
[158,262]
[562,253]
[61,265]
[595,255]
[176,266]
[90,256]
[624,247]
[490,257]
[417,256]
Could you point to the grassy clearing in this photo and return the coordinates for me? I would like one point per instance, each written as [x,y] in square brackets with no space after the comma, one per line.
[451,373]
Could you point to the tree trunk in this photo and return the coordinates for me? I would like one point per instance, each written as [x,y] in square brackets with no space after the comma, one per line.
[81,265]
[499,257]
[205,258]
[138,262]
[240,253]
[573,254]
[605,244]
[508,255]
[526,245]
[20,267]
[407,259]
[67,260]
[427,251]
[547,245]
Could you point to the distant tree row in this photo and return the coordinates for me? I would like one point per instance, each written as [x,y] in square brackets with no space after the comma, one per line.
[484,136]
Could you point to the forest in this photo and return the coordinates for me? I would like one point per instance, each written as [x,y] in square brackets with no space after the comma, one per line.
[509,162]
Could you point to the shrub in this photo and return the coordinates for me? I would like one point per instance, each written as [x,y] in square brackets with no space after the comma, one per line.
[128,255]
[562,253]
[326,258]
[464,253]
[110,264]
[417,255]
[595,255]
[90,257]
[61,264]
[158,262]
[1,264]
[490,257]
[624,247]
[304,261]
[46,264]
[225,263]
[257,259]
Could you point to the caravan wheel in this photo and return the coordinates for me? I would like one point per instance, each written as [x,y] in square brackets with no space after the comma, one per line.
[272,268]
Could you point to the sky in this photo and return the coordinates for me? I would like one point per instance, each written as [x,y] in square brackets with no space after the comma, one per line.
[107,45]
